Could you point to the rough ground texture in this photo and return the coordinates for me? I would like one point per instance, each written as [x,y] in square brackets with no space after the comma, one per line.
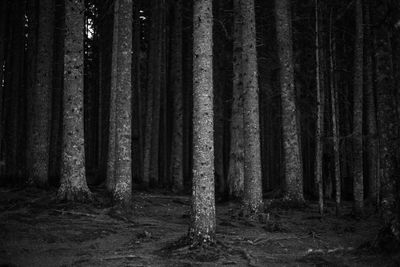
[35,230]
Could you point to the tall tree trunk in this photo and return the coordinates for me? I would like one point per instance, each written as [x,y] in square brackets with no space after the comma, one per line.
[372,141]
[110,178]
[41,106]
[320,113]
[155,169]
[358,187]
[32,50]
[137,145]
[123,109]
[203,220]
[150,96]
[177,109]
[252,197]
[335,118]
[73,177]
[386,107]
[291,144]
[236,158]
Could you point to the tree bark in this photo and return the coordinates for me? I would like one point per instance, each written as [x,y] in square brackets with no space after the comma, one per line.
[335,118]
[203,220]
[291,144]
[236,157]
[358,177]
[123,110]
[73,177]
[252,197]
[372,141]
[110,178]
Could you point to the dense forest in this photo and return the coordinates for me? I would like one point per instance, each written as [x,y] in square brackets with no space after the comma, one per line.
[249,108]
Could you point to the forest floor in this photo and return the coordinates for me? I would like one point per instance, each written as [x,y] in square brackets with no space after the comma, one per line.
[35,230]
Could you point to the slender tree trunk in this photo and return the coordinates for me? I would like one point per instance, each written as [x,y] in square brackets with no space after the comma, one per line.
[41,106]
[372,141]
[203,220]
[291,144]
[150,96]
[388,131]
[32,51]
[335,118]
[164,129]
[252,197]
[73,177]
[177,109]
[236,158]
[123,109]
[137,145]
[111,159]
[320,114]
[358,187]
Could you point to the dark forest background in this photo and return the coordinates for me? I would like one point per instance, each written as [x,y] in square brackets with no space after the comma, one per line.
[336,62]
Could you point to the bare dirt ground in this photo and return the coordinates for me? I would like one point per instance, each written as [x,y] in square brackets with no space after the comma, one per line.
[35,230]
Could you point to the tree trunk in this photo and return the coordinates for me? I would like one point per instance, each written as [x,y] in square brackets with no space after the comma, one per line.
[32,51]
[358,187]
[41,106]
[372,141]
[203,220]
[123,109]
[388,132]
[177,109]
[111,159]
[252,197]
[236,158]
[150,97]
[335,118]
[73,178]
[320,114]
[291,144]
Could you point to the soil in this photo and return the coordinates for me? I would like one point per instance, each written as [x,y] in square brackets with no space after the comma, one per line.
[35,230]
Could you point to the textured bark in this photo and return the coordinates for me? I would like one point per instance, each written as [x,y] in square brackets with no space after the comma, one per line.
[123,110]
[149,106]
[111,158]
[177,110]
[41,105]
[358,187]
[252,197]
[388,131]
[320,113]
[335,119]
[291,144]
[73,178]
[203,220]
[137,113]
[152,93]
[236,158]
[372,141]
[32,16]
